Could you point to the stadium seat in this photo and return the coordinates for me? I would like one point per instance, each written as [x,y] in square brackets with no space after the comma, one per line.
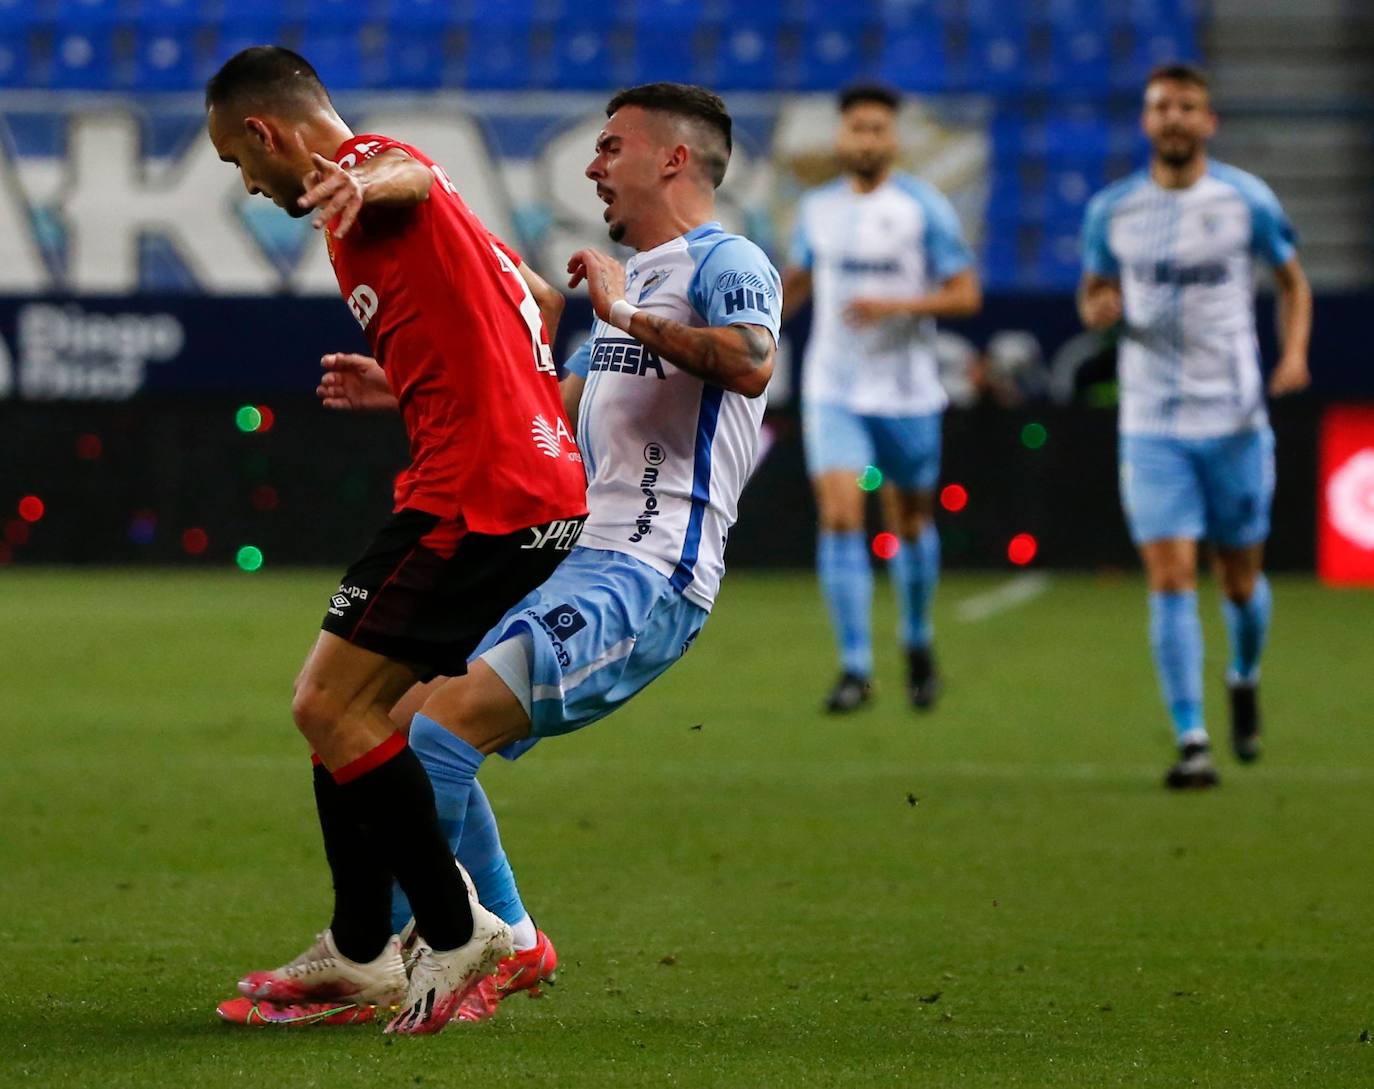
[916,60]
[168,13]
[1156,14]
[16,14]
[16,69]
[256,13]
[999,261]
[903,15]
[83,57]
[1148,49]
[830,13]
[1082,138]
[337,54]
[237,36]
[413,57]
[588,55]
[678,14]
[1068,191]
[502,58]
[1072,15]
[429,15]
[1058,261]
[338,14]
[88,14]
[746,56]
[665,52]
[1079,59]
[998,60]
[718,13]
[165,57]
[509,13]
[833,56]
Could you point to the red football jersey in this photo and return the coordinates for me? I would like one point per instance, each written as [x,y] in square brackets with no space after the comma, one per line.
[465,351]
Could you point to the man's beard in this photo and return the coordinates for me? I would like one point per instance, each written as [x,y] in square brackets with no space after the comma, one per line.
[616,231]
[1180,154]
[867,167]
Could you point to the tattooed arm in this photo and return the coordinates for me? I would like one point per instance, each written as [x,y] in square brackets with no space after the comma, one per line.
[738,358]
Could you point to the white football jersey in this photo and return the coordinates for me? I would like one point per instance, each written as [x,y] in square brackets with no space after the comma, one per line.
[1188,362]
[900,241]
[667,454]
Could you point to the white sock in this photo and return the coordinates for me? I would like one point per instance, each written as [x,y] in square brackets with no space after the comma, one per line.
[524,935]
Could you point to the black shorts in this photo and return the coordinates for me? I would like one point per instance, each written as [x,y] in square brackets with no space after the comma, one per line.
[426,591]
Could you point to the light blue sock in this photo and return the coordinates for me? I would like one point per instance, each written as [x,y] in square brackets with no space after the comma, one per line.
[484,858]
[1248,626]
[916,573]
[847,583]
[451,764]
[1176,639]
[481,853]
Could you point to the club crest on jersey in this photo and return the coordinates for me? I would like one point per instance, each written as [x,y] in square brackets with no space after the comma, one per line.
[363,303]
[656,279]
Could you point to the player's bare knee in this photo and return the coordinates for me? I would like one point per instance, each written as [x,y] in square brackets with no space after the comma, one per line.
[1238,586]
[1173,579]
[316,709]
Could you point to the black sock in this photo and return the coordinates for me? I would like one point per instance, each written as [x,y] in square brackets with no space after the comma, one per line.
[362,882]
[393,801]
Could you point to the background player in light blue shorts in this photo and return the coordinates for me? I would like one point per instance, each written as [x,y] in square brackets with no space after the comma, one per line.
[883,255]
[1170,253]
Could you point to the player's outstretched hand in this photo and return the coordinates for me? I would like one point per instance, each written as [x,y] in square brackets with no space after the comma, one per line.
[335,192]
[1290,376]
[355,382]
[605,279]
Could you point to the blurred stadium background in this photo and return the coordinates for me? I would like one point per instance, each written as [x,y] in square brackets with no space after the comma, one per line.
[1016,901]
[160,330]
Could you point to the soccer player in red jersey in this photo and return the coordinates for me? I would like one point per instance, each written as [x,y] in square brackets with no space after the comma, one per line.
[492,500]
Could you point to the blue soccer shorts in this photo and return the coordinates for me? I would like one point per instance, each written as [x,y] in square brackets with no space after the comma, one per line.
[906,449]
[1214,489]
[600,629]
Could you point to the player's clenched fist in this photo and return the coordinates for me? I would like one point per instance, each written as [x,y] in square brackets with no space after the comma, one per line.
[335,192]
[353,382]
[1100,305]
[605,279]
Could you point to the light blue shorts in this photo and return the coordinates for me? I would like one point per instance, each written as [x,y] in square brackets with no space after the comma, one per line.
[595,633]
[905,448]
[1218,489]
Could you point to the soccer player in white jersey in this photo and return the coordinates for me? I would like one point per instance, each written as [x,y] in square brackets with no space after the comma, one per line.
[882,256]
[1169,255]
[668,396]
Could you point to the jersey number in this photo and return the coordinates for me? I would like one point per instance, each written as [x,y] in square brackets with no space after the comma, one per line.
[529,310]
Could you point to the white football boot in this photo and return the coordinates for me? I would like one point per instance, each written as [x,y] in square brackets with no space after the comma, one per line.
[440,981]
[322,973]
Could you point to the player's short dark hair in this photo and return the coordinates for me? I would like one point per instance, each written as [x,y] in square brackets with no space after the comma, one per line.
[1178,72]
[864,93]
[696,104]
[265,75]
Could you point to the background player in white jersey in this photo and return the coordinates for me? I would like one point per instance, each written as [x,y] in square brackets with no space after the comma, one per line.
[882,254]
[1169,253]
[667,395]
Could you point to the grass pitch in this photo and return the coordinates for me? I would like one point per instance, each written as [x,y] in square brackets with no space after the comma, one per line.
[744,892]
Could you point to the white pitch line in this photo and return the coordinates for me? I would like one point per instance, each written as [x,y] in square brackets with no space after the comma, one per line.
[1011,594]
